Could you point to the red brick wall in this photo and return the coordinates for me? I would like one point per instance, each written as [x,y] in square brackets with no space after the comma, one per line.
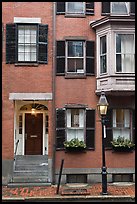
[23,78]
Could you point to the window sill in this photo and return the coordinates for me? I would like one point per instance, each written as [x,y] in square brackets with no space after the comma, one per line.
[75,76]
[75,15]
[27,64]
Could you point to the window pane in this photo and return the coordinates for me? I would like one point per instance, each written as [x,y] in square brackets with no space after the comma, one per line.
[75,65]
[120,7]
[21,56]
[33,56]
[103,55]
[75,49]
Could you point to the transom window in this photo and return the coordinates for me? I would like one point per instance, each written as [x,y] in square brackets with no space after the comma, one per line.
[75,7]
[27,43]
[75,56]
[103,55]
[120,8]
[121,123]
[75,124]
[125,53]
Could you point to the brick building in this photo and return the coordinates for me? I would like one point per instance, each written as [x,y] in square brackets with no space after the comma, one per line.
[57,57]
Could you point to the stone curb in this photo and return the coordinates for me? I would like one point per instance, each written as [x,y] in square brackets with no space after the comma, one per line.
[99,197]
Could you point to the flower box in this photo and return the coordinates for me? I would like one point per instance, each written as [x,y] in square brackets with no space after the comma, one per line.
[122,145]
[75,149]
[122,149]
[75,145]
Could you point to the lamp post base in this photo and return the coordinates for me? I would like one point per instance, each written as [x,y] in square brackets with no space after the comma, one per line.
[104,181]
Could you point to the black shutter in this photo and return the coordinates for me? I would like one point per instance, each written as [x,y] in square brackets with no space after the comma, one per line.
[133,126]
[132,8]
[105,8]
[90,128]
[43,44]
[60,128]
[89,8]
[10,43]
[60,7]
[109,126]
[60,61]
[90,46]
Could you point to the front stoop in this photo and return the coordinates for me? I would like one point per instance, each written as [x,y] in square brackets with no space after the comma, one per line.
[30,170]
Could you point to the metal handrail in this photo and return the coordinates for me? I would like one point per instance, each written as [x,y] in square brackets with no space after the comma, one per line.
[16,148]
[14,159]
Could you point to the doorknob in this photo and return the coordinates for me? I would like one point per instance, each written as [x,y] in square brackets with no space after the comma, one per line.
[25,136]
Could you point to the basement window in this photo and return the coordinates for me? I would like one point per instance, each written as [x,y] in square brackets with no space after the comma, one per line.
[122,177]
[76,178]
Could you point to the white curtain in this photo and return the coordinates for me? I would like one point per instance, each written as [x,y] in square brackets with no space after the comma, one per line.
[127,53]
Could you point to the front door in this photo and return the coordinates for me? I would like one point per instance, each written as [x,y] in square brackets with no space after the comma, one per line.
[33,134]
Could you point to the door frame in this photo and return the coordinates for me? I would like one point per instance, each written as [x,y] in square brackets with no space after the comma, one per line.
[17,136]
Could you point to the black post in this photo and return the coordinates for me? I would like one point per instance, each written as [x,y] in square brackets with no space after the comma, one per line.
[104,169]
[60,173]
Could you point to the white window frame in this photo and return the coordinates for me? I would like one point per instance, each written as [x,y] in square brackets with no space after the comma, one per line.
[122,69]
[120,14]
[77,71]
[104,54]
[75,131]
[75,13]
[24,44]
[124,129]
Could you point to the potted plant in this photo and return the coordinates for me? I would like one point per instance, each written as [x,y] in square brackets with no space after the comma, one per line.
[75,145]
[122,144]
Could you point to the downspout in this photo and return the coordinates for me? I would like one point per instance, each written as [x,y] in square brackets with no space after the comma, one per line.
[54,91]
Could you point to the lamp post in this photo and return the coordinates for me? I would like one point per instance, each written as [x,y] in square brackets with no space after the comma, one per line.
[102,109]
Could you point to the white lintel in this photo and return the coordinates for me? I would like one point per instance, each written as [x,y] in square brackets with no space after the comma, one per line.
[30,96]
[26,20]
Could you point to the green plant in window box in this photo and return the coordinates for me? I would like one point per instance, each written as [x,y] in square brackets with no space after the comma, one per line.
[122,144]
[75,145]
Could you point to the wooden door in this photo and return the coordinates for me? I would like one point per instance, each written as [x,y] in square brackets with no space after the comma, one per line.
[33,134]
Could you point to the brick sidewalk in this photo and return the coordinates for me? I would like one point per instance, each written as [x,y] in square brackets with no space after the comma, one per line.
[50,191]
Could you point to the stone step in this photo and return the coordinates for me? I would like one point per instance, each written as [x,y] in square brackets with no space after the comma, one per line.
[18,184]
[29,179]
[30,173]
[31,167]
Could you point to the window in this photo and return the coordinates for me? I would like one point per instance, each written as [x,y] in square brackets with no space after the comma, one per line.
[75,7]
[125,51]
[75,57]
[75,123]
[120,8]
[26,43]
[103,55]
[121,123]
[20,124]
[27,46]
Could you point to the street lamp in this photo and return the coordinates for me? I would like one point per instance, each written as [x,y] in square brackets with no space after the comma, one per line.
[102,109]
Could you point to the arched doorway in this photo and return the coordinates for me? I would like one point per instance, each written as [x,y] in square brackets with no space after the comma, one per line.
[32,128]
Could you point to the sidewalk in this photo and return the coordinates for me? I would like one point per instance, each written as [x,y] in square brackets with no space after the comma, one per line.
[93,191]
